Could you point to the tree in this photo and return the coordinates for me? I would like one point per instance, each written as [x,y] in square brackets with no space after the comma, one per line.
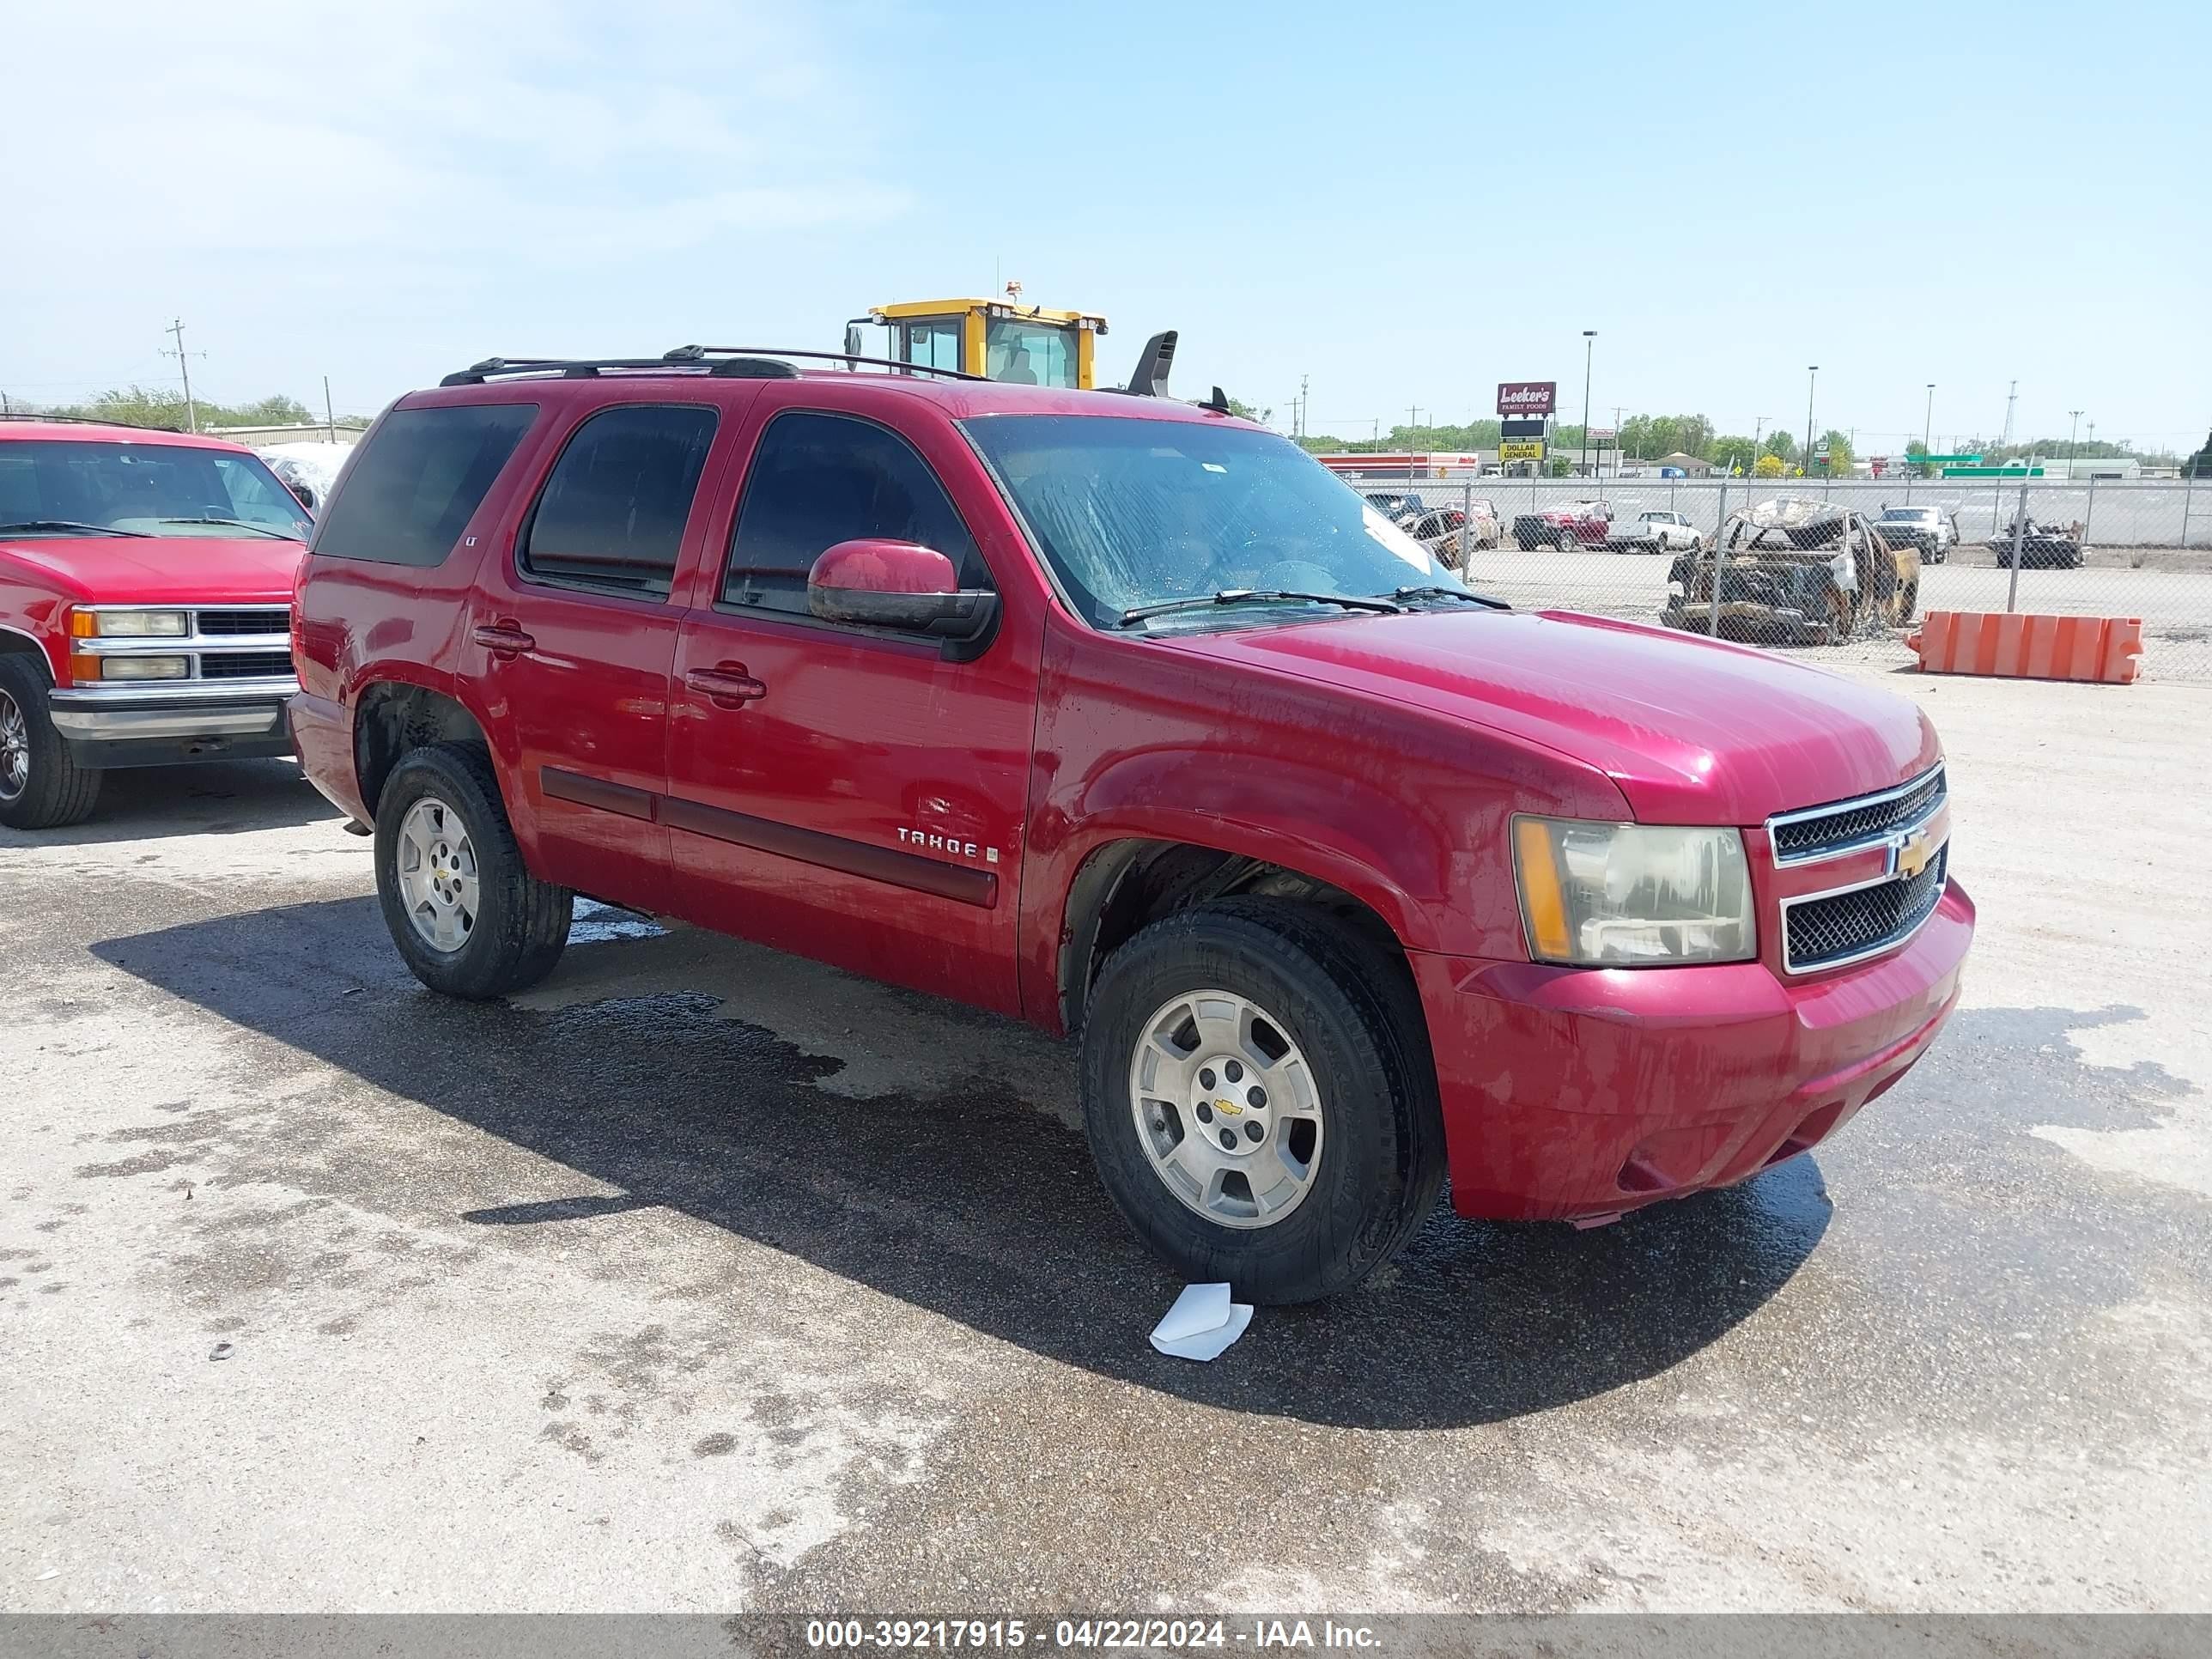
[2199,465]
[1732,454]
[1839,445]
[137,406]
[1780,445]
[1768,465]
[1244,411]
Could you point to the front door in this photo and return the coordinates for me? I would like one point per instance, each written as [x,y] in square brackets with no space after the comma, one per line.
[571,637]
[842,792]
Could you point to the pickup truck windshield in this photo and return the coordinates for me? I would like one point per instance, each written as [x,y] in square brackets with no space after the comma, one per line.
[146,488]
[1131,512]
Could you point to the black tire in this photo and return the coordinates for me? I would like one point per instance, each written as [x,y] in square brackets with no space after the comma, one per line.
[53,790]
[1350,1007]
[521,923]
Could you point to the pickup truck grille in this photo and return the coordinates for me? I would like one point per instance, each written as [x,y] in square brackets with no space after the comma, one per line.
[258,619]
[244,665]
[1820,832]
[1835,928]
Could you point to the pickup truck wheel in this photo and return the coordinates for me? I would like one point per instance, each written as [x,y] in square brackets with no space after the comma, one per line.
[471,921]
[41,785]
[1260,1098]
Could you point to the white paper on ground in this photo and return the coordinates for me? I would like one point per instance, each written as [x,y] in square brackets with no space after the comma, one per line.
[1202,1322]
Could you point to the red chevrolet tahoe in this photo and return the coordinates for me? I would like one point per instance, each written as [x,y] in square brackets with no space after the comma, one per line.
[144,582]
[1124,717]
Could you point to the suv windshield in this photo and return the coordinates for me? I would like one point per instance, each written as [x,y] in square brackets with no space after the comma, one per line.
[149,489]
[1130,513]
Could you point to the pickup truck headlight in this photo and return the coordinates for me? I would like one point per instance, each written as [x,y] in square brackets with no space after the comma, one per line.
[127,624]
[1632,894]
[141,668]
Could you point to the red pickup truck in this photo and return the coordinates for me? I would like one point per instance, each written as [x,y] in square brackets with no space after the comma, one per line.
[145,578]
[1121,716]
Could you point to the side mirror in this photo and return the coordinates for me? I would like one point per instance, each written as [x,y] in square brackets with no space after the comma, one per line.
[303,493]
[901,585]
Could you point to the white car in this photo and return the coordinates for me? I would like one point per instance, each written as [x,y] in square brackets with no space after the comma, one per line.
[1930,529]
[1657,532]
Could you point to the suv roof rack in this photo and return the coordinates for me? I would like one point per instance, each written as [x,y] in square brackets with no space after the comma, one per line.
[84,420]
[735,362]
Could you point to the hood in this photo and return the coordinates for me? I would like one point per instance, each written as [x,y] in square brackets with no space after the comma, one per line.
[161,570]
[1690,730]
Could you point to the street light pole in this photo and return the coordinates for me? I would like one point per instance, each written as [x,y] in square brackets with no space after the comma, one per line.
[1590,347]
[2075,415]
[1812,375]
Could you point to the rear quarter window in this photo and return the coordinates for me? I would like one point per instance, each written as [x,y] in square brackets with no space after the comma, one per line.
[418,481]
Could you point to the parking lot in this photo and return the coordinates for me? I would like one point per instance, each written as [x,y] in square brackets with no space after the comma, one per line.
[705,1279]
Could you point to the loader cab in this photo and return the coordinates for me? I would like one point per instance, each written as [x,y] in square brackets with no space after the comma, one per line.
[1002,339]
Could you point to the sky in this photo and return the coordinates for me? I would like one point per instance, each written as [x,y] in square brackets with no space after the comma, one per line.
[1402,205]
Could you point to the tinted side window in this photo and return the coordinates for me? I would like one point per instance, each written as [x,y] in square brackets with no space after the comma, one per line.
[418,480]
[821,479]
[612,515]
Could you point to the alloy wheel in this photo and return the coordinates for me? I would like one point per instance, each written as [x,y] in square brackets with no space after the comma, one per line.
[15,749]
[1226,1109]
[436,867]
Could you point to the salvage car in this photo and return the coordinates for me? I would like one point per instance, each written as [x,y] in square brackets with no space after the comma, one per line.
[2055,545]
[1576,524]
[1656,531]
[1124,717]
[145,578]
[1794,571]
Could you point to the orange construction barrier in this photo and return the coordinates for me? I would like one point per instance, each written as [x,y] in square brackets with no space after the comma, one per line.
[2021,646]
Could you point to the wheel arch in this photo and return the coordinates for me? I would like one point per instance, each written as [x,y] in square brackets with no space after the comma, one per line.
[1127,882]
[391,717]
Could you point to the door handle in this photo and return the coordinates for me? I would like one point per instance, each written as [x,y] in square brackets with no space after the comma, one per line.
[726,685]
[503,640]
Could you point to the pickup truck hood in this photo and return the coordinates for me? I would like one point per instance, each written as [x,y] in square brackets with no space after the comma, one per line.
[1690,730]
[159,570]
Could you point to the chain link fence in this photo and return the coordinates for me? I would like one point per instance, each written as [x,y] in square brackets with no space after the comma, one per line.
[1843,567]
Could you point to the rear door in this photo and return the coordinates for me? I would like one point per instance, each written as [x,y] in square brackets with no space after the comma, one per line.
[572,633]
[848,792]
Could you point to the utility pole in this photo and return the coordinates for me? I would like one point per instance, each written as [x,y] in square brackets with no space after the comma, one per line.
[330,420]
[1758,425]
[1590,346]
[1301,405]
[1812,378]
[2076,416]
[2011,397]
[183,366]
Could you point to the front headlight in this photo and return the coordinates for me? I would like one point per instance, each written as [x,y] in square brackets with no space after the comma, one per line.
[128,624]
[1632,895]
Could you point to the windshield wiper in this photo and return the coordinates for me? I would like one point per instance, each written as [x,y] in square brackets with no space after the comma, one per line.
[1258,596]
[68,527]
[239,523]
[1438,590]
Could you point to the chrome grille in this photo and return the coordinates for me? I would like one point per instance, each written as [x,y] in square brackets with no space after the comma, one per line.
[1834,928]
[259,619]
[1845,826]
[244,665]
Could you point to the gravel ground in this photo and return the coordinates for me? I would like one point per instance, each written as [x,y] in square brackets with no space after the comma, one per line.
[702,1279]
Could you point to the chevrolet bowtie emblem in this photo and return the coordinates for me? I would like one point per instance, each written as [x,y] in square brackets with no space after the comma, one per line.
[1227,1108]
[1912,853]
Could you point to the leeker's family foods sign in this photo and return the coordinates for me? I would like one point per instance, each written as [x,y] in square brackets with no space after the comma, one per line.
[1527,396]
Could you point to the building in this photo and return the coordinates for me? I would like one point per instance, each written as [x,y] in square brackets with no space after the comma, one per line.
[308,432]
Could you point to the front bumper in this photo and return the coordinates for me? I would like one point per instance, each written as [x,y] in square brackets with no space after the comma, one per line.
[1572,1093]
[159,726]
